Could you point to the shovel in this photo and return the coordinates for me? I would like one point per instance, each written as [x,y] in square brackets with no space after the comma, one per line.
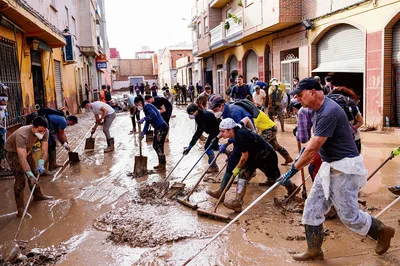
[73,157]
[140,161]
[185,201]
[89,144]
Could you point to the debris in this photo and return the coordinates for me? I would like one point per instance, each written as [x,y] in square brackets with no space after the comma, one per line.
[295,238]
[40,256]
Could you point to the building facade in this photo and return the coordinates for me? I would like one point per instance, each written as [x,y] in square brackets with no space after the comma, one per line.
[356,42]
[167,68]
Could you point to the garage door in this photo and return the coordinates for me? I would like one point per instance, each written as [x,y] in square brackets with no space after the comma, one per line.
[251,66]
[57,75]
[341,49]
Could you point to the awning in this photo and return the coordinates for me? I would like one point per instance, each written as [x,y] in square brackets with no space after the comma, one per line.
[343,66]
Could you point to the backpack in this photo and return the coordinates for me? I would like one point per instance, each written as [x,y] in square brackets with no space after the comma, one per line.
[348,105]
[44,112]
[229,90]
[249,106]
[107,96]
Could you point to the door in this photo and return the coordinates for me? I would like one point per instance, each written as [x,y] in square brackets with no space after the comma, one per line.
[396,62]
[289,70]
[58,80]
[220,82]
[37,77]
[209,74]
[251,66]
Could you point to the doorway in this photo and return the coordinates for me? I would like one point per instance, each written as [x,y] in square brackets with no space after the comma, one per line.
[37,77]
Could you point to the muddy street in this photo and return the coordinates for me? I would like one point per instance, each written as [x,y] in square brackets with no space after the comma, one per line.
[102,215]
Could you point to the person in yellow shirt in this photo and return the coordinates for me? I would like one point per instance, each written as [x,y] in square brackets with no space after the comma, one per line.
[268,130]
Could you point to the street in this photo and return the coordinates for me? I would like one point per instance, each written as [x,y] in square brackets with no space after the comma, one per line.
[101,215]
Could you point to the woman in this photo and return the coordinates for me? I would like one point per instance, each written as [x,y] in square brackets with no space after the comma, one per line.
[153,117]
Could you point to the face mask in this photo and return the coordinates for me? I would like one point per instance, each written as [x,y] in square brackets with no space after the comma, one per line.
[88,109]
[140,108]
[192,117]
[39,135]
[218,114]
[208,94]
[3,107]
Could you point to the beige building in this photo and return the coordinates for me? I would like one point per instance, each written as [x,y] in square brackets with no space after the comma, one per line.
[167,63]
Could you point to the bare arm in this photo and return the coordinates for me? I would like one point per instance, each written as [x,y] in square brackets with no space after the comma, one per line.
[310,151]
[62,137]
[360,121]
[247,123]
[22,159]
[44,147]
[105,113]
[163,109]
[243,159]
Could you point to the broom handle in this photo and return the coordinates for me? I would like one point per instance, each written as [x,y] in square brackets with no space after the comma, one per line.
[302,174]
[380,166]
[26,209]
[140,141]
[170,173]
[209,147]
[388,207]
[228,186]
[233,221]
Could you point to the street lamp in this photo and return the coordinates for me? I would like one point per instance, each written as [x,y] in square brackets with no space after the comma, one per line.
[35,45]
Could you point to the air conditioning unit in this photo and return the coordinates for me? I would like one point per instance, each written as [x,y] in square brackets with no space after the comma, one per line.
[69,49]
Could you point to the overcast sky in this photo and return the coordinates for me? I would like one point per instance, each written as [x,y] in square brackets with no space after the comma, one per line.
[132,24]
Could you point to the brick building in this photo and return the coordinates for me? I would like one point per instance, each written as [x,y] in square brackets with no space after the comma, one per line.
[167,72]
[356,42]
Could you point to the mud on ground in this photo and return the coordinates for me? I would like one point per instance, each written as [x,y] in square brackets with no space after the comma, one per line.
[39,256]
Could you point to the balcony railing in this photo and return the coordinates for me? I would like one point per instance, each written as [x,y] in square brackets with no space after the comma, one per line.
[217,35]
[195,49]
[235,28]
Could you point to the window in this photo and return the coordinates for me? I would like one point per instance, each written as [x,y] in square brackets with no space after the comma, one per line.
[53,5]
[74,27]
[67,16]
[205,24]
[199,30]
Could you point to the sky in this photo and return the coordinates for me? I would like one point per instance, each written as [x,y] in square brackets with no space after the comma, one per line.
[132,24]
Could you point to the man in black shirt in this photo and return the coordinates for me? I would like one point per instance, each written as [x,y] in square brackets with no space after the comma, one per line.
[161,104]
[206,122]
[240,91]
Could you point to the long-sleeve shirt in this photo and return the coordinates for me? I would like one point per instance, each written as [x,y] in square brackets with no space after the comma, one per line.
[236,112]
[206,122]
[304,124]
[152,117]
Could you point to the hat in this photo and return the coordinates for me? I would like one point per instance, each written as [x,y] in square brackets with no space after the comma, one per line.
[306,84]
[214,100]
[227,123]
[256,87]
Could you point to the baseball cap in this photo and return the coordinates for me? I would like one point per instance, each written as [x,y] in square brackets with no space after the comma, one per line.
[214,100]
[227,123]
[306,84]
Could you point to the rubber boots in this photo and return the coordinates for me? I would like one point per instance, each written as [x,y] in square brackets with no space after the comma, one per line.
[53,161]
[162,162]
[38,195]
[213,169]
[20,200]
[290,187]
[237,203]
[215,193]
[314,238]
[110,145]
[382,233]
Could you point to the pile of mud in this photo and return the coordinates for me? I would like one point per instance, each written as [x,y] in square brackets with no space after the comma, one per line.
[153,193]
[149,225]
[39,256]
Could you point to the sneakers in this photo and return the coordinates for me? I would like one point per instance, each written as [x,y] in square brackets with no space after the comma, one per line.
[213,169]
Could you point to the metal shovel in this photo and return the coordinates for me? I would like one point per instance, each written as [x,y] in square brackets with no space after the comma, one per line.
[140,161]
[73,157]
[89,144]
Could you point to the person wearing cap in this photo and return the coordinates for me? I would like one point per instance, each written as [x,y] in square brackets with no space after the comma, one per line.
[153,117]
[340,177]
[206,122]
[223,110]
[3,125]
[255,153]
[164,106]
[203,97]
[259,97]
[240,91]
[275,96]
[134,112]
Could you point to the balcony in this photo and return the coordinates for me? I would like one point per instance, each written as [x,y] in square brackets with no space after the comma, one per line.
[235,30]
[89,50]
[195,49]
[217,37]
[193,13]
[218,3]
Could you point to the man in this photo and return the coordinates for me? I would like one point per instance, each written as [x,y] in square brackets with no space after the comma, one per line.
[178,91]
[137,89]
[87,91]
[131,89]
[57,125]
[199,88]
[255,153]
[202,100]
[165,87]
[141,88]
[328,85]
[296,81]
[259,97]
[275,96]
[147,88]
[106,94]
[206,122]
[241,90]
[184,93]
[20,158]
[3,125]
[153,117]
[191,92]
[340,177]
[228,90]
[161,104]
[260,83]
[134,112]
[102,113]
[154,90]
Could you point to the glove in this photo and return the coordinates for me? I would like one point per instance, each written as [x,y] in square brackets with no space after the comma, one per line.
[286,176]
[141,136]
[3,131]
[222,148]
[32,177]
[141,121]
[396,151]
[40,167]
[187,150]
[214,142]
[231,141]
[66,146]
[236,171]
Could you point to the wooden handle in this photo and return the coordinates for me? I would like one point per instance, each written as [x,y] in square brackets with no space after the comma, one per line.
[140,141]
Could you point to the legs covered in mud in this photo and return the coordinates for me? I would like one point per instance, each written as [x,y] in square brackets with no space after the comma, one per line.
[270,136]
[210,153]
[106,130]
[158,144]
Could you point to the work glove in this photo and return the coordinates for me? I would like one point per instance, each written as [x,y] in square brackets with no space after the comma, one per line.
[3,131]
[222,148]
[214,142]
[187,150]
[231,141]
[286,176]
[236,171]
[141,136]
[396,151]
[141,121]
[32,177]
[66,146]
[40,167]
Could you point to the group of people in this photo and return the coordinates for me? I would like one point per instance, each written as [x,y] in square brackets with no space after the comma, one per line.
[144,89]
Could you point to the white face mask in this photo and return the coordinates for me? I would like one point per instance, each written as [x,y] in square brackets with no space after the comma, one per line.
[192,117]
[218,114]
[140,108]
[3,107]
[39,135]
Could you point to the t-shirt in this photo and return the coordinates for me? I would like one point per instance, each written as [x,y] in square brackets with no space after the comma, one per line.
[263,122]
[24,138]
[154,88]
[97,105]
[258,98]
[131,101]
[160,101]
[57,122]
[202,100]
[331,121]
[236,112]
[153,117]
[248,141]
[240,92]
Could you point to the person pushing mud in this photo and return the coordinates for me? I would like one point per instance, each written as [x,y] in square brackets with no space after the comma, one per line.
[339,179]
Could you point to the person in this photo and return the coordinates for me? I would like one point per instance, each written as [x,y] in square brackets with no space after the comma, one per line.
[318,79]
[87,91]
[131,89]
[241,90]
[228,90]
[20,158]
[184,93]
[154,90]
[263,85]
[191,92]
[165,87]
[275,96]
[102,113]
[105,95]
[161,104]
[153,117]
[147,88]
[168,95]
[295,82]
[268,131]
[177,89]
[203,97]
[254,153]
[137,89]
[206,122]
[57,125]
[259,96]
[199,88]
[3,125]
[339,179]
[395,189]
[141,88]
[134,112]
[328,85]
